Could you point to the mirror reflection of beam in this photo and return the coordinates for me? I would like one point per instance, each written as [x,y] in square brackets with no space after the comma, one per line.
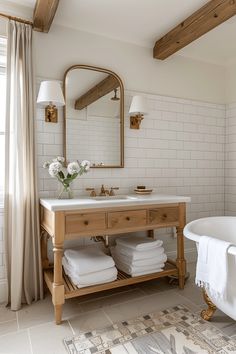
[107,85]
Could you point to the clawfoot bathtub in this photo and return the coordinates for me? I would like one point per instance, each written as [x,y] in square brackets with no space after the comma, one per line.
[223,228]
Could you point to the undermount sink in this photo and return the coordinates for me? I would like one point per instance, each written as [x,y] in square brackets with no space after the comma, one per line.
[111,198]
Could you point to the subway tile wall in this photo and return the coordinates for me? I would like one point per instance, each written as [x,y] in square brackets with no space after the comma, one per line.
[230,160]
[179,149]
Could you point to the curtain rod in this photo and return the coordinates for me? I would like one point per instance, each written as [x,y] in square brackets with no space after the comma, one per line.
[18,19]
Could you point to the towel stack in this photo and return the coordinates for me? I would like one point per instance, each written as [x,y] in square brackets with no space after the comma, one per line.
[139,255]
[89,266]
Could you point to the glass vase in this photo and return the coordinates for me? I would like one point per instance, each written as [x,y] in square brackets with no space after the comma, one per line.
[65,192]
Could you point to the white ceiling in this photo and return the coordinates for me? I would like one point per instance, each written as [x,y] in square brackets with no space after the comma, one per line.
[142,23]
[135,21]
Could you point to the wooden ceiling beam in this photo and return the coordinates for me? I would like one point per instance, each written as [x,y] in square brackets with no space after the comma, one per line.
[200,22]
[44,13]
[107,85]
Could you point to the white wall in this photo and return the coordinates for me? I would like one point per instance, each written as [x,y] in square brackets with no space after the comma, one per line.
[179,148]
[231,82]
[176,76]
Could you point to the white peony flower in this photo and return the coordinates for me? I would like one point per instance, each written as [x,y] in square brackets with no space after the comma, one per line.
[46,164]
[73,168]
[54,168]
[60,159]
[86,164]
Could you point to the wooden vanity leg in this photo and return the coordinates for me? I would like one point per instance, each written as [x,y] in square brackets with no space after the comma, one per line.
[58,291]
[180,260]
[44,248]
[58,296]
[44,254]
[209,312]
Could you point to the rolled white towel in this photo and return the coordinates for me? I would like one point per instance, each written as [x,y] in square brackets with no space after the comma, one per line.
[88,260]
[138,255]
[137,243]
[148,262]
[100,277]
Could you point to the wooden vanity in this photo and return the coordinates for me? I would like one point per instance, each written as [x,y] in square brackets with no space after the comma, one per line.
[85,217]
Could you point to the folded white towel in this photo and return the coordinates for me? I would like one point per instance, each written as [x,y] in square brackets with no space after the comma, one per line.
[100,277]
[212,265]
[138,243]
[143,264]
[88,259]
[135,273]
[102,281]
[138,255]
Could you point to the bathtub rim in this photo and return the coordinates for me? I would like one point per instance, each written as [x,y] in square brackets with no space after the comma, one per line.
[195,237]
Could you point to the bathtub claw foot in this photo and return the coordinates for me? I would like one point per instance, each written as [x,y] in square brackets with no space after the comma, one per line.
[208,313]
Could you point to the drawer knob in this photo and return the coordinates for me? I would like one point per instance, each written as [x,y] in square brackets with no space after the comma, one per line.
[128,218]
[86,222]
[164,216]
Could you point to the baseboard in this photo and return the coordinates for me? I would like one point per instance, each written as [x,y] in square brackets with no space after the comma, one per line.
[3,291]
[190,255]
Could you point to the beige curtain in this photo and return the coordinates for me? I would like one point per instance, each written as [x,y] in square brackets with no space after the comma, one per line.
[21,229]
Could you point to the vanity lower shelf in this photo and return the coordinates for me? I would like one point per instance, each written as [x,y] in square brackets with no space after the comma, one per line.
[123,279]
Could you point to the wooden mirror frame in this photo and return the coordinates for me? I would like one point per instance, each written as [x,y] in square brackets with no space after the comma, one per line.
[95,68]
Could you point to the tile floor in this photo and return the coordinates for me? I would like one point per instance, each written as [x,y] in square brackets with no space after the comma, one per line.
[32,330]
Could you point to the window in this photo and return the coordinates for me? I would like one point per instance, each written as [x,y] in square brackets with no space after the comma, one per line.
[3,59]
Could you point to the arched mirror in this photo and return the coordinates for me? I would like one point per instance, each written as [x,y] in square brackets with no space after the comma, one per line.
[94,116]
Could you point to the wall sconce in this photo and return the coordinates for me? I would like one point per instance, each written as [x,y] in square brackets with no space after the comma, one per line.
[137,110]
[50,96]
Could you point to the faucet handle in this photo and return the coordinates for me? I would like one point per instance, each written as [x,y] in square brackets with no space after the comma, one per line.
[112,193]
[92,192]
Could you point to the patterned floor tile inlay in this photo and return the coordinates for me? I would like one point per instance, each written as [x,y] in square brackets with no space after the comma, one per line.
[173,331]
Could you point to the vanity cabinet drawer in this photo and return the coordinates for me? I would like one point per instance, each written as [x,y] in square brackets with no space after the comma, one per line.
[78,223]
[126,219]
[163,215]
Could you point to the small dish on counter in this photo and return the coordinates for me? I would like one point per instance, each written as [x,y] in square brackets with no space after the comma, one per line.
[143,191]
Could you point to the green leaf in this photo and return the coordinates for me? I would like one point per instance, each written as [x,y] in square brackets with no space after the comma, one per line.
[61,174]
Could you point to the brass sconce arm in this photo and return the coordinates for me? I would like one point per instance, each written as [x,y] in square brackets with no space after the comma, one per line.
[135,121]
[51,113]
[138,109]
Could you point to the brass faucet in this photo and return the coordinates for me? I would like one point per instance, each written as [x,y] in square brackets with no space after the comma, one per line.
[103,191]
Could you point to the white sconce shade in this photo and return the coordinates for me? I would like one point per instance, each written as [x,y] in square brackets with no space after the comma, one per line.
[50,96]
[50,92]
[137,110]
[138,105]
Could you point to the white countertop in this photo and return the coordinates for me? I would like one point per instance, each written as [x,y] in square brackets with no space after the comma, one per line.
[116,201]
